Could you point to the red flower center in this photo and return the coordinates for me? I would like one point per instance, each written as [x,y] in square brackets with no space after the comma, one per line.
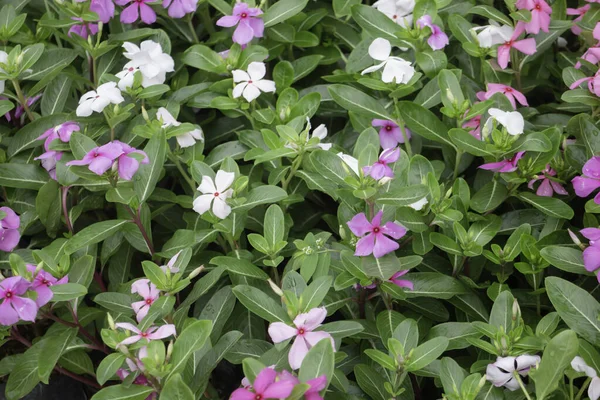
[388,128]
[244,15]
[258,397]
[250,81]
[538,7]
[508,90]
[131,69]
[8,294]
[217,194]
[144,334]
[45,282]
[376,229]
[301,331]
[148,301]
[395,16]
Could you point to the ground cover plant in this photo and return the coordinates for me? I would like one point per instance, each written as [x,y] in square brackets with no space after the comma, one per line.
[300,199]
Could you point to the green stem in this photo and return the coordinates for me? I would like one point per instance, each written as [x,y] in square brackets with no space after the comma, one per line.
[295,165]
[459,154]
[518,378]
[206,21]
[22,99]
[112,129]
[186,177]
[571,388]
[193,30]
[582,390]
[406,140]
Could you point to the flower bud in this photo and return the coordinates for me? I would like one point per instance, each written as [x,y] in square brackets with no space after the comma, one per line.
[39,267]
[575,239]
[275,288]
[342,232]
[111,322]
[169,351]
[516,311]
[195,272]
[384,180]
[145,114]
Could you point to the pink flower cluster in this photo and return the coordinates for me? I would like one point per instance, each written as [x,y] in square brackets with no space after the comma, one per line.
[9,229]
[50,157]
[269,384]
[16,304]
[540,15]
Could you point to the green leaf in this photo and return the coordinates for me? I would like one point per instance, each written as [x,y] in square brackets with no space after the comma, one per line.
[117,302]
[501,314]
[566,258]
[451,375]
[424,123]
[403,196]
[282,10]
[30,55]
[319,361]
[144,181]
[204,58]
[260,303]
[491,13]
[22,176]
[374,22]
[548,205]
[94,233]
[426,353]
[490,196]
[176,389]
[330,166]
[264,194]
[558,355]
[55,96]
[450,86]
[67,291]
[274,227]
[434,284]
[109,366]
[383,267]
[371,382]
[189,341]
[240,267]
[314,294]
[24,377]
[356,101]
[122,392]
[52,348]
[469,144]
[342,329]
[343,8]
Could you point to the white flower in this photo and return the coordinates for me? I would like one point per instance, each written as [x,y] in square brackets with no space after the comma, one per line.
[512,120]
[319,132]
[350,162]
[126,77]
[399,11]
[215,193]
[493,34]
[579,365]
[151,61]
[186,139]
[251,83]
[501,372]
[394,68]
[97,100]
[418,205]
[3,59]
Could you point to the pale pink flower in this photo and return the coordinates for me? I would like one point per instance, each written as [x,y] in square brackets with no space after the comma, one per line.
[152,333]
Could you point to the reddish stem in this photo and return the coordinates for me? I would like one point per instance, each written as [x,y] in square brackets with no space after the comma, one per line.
[65,192]
[100,281]
[97,345]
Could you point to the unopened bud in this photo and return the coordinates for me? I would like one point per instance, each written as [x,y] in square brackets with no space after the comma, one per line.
[111,322]
[196,272]
[342,232]
[481,383]
[2,277]
[123,349]
[575,239]
[275,288]
[516,311]
[450,96]
[503,342]
[169,351]
[145,114]
[384,180]
[39,267]
[20,57]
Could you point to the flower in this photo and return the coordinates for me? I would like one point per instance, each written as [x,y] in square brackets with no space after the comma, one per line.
[579,365]
[216,193]
[84,29]
[14,307]
[474,123]
[152,333]
[3,59]
[316,385]
[304,334]
[403,283]
[248,25]
[590,180]
[510,93]
[548,186]
[399,11]
[580,12]
[394,68]
[128,165]
[349,161]
[104,8]
[390,133]
[126,77]
[62,132]
[526,46]
[593,83]
[320,132]
[20,110]
[137,9]
[149,293]
[171,264]
[493,34]
[512,120]
[265,387]
[251,83]
[97,100]
[376,240]
[591,55]
[381,168]
[186,139]
[101,159]
[438,39]
[49,160]
[9,229]
[418,205]
[41,284]
[178,8]
[591,254]
[540,15]
[150,60]
[501,372]
[508,165]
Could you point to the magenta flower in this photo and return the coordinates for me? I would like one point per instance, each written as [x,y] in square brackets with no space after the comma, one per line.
[403,283]
[390,133]
[149,293]
[375,241]
[548,186]
[178,8]
[128,165]
[381,168]
[438,39]
[591,255]
[593,83]
[137,9]
[49,160]
[41,284]
[475,124]
[104,8]
[19,110]
[317,385]
[580,12]
[526,46]
[9,229]
[510,93]
[62,132]
[590,180]
[305,337]
[248,25]
[152,333]
[591,55]
[83,29]
[14,307]
[508,165]
[101,159]
[540,15]
[265,387]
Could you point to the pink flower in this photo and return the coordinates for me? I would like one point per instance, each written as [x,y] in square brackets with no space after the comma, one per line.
[510,93]
[403,283]
[104,8]
[49,160]
[317,385]
[128,165]
[590,181]
[19,110]
[548,186]
[593,83]
[84,29]
[149,293]
[152,333]
[171,264]
[41,284]
[62,132]
[375,241]
[474,123]
[591,255]
[381,168]
[304,334]
[135,10]
[540,15]
[438,39]
[580,12]
[9,229]
[14,307]
[526,46]
[248,25]
[508,165]
[390,133]
[591,55]
[101,159]
[178,8]
[265,387]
